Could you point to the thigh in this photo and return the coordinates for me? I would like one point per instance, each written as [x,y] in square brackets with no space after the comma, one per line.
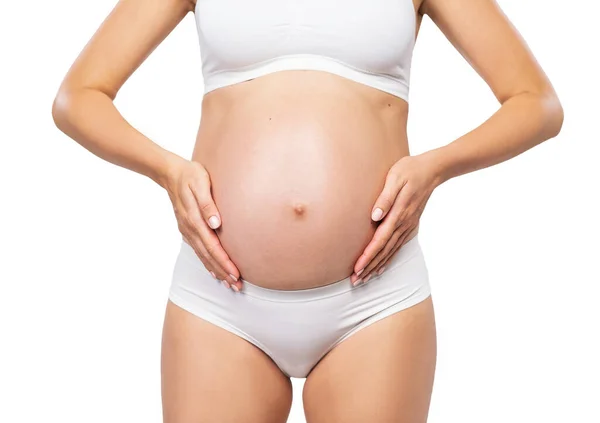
[212,375]
[383,372]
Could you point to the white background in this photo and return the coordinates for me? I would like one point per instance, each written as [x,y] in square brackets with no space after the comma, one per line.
[87,248]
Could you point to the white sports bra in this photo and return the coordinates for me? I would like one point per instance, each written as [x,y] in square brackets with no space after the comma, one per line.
[367,41]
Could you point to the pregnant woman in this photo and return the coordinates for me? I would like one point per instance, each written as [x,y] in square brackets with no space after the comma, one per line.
[300,205]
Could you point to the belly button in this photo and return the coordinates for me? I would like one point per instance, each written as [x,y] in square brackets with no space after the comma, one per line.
[299,209]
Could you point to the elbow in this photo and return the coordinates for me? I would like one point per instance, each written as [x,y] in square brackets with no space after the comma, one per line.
[70,105]
[60,109]
[560,117]
[555,115]
[66,104]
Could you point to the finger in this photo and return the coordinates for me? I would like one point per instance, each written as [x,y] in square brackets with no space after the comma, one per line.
[380,238]
[202,254]
[381,267]
[208,209]
[212,245]
[215,250]
[409,234]
[194,240]
[209,239]
[388,195]
[209,262]
[196,248]
[376,259]
[385,253]
[382,254]
[397,216]
[212,218]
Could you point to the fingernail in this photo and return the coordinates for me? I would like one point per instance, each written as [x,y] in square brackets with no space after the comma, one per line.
[357,282]
[368,277]
[360,271]
[213,274]
[225,284]
[235,288]
[380,271]
[213,221]
[377,213]
[233,277]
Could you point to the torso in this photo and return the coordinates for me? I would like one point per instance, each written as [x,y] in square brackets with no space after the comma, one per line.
[297,159]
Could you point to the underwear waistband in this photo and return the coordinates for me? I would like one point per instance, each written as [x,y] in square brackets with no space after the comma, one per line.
[404,254]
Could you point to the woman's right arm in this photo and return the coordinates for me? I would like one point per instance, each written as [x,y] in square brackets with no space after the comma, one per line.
[84,110]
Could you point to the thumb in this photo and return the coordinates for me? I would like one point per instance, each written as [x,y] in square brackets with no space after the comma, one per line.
[206,204]
[386,199]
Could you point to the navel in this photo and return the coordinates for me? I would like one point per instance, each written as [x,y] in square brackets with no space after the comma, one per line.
[299,209]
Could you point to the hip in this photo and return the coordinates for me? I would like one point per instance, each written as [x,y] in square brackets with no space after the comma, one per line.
[296,328]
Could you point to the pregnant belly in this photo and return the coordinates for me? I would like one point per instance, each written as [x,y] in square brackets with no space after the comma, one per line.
[295,191]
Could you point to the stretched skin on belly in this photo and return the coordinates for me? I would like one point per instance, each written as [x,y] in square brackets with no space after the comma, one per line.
[294,189]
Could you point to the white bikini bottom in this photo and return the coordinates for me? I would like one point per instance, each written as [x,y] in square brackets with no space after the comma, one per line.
[296,328]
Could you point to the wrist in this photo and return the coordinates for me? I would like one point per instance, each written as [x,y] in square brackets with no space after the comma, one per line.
[438,165]
[168,169]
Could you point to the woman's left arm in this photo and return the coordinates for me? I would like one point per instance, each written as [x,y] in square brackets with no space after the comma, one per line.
[530,113]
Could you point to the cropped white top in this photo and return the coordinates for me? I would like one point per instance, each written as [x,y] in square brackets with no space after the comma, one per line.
[367,41]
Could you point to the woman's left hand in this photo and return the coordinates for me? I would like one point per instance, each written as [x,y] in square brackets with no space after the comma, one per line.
[408,186]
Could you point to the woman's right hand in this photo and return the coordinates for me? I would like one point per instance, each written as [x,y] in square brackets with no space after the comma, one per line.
[189,188]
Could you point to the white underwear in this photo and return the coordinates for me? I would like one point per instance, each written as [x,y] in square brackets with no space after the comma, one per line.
[297,328]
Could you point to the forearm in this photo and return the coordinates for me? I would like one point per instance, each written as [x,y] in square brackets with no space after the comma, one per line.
[90,118]
[522,122]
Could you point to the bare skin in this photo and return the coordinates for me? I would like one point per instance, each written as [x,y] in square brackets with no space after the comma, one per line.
[293,180]
[211,375]
[383,373]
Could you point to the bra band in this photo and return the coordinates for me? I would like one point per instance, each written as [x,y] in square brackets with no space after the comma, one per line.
[369,42]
